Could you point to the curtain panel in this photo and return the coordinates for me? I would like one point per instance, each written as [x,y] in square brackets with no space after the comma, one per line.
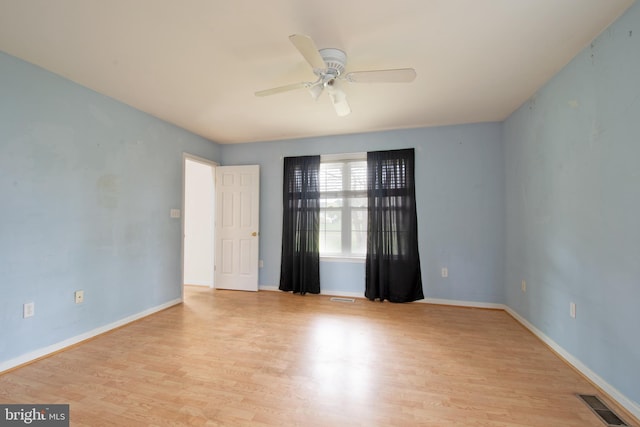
[300,260]
[393,263]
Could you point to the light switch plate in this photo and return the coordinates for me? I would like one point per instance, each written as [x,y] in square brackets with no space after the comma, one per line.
[572,309]
[28,310]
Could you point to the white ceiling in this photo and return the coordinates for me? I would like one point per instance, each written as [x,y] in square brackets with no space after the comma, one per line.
[197,63]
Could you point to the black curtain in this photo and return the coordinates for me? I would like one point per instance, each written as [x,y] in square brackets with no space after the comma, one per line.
[393,264]
[300,261]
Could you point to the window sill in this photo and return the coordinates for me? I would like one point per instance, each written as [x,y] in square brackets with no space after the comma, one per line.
[356,260]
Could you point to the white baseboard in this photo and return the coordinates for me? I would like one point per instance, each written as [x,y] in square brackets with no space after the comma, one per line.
[621,399]
[459,303]
[330,293]
[45,351]
[344,294]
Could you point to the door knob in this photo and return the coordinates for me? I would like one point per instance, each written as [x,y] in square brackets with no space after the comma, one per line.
[254,234]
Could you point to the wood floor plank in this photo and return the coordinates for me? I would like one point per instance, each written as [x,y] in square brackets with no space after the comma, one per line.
[226,358]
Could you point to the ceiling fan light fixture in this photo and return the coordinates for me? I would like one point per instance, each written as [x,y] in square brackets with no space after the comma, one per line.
[315,91]
[339,101]
[342,108]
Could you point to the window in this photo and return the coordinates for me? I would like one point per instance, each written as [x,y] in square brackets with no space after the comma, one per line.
[343,206]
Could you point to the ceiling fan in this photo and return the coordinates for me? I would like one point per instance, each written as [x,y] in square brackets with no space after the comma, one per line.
[329,66]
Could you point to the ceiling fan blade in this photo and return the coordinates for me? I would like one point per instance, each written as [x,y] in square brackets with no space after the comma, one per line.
[308,49]
[400,75]
[339,101]
[280,89]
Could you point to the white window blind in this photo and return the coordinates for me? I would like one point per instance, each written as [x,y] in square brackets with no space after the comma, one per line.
[343,206]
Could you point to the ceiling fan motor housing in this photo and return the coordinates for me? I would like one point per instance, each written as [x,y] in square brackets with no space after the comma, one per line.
[336,61]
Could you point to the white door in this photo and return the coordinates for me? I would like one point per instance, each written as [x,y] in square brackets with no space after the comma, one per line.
[237,228]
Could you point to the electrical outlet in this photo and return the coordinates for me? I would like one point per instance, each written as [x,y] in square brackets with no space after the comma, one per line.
[28,309]
[523,286]
[572,310]
[174,213]
[79,296]
[445,272]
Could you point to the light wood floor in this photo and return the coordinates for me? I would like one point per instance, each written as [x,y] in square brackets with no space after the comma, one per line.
[226,358]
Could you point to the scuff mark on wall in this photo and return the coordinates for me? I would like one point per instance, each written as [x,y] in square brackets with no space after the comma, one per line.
[108,191]
[596,132]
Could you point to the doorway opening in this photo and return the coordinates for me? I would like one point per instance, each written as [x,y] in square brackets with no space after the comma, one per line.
[198,221]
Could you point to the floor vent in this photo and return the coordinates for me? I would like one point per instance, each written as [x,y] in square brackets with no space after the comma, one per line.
[342,299]
[601,410]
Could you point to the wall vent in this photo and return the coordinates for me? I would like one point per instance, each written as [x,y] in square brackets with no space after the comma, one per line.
[342,299]
[608,417]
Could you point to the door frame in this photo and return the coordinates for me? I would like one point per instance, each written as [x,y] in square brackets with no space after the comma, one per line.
[187,156]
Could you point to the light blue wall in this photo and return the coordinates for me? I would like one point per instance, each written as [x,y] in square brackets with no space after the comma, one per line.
[460,189]
[573,206]
[86,185]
